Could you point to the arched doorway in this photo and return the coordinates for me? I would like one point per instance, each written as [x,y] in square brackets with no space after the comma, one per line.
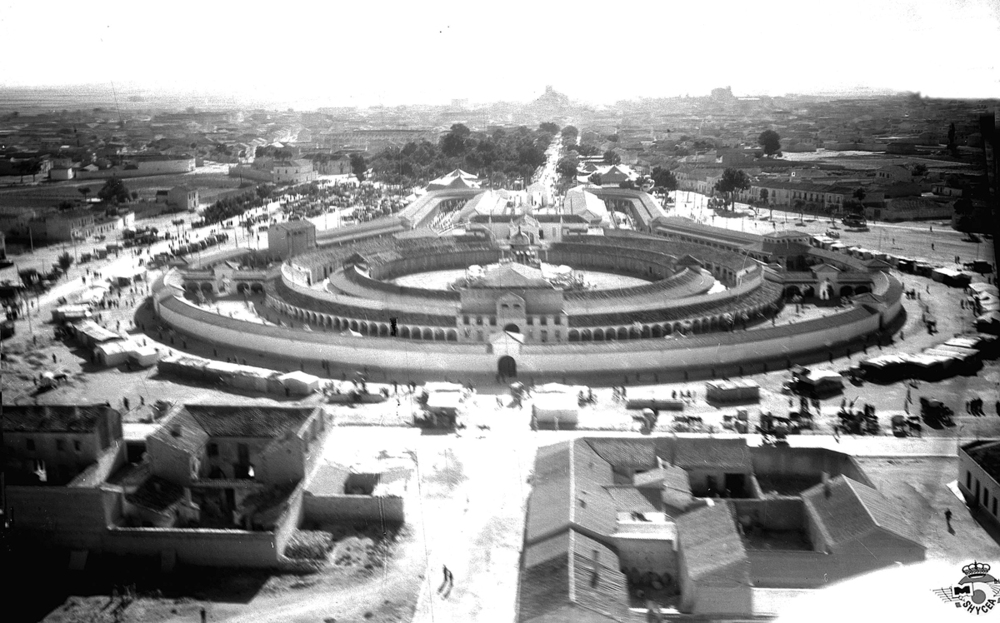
[507,367]
[512,328]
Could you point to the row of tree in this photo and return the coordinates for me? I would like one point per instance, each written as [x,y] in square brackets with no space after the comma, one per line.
[500,157]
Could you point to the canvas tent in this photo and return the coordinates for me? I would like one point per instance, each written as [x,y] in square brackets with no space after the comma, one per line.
[299,383]
[555,405]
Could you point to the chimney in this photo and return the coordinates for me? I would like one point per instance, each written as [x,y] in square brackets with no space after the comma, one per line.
[827,491]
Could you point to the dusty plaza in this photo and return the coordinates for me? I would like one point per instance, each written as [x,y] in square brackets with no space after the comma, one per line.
[329,348]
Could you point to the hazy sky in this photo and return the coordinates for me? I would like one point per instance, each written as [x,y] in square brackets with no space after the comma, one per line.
[392,52]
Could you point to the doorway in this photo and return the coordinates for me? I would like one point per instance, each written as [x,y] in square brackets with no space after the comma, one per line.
[507,367]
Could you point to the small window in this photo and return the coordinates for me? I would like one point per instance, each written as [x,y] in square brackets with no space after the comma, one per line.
[545,321]
[557,335]
[60,445]
[77,445]
[531,320]
[479,320]
[493,321]
[545,336]
[29,444]
[465,319]
[557,320]
[213,449]
[968,479]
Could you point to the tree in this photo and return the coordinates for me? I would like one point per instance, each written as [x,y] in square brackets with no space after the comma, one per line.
[134,194]
[952,142]
[764,194]
[629,184]
[919,170]
[567,167]
[454,142]
[731,181]
[29,277]
[114,191]
[84,191]
[770,141]
[799,205]
[595,179]
[549,127]
[65,261]
[860,195]
[662,178]
[358,166]
[570,134]
[611,158]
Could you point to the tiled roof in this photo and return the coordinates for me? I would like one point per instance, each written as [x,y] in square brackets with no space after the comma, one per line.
[544,588]
[156,494]
[713,549]
[853,510]
[627,498]
[672,484]
[544,551]
[731,454]
[181,431]
[592,506]
[548,506]
[53,418]
[987,455]
[637,453]
[248,421]
[571,570]
[604,592]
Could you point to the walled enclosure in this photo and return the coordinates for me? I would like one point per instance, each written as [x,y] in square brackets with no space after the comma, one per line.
[424,351]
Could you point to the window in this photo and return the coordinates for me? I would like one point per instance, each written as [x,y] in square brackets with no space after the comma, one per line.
[968,479]
[213,449]
[557,321]
[557,335]
[465,319]
[29,444]
[493,321]
[479,320]
[60,445]
[545,335]
[479,336]
[531,320]
[545,320]
[77,445]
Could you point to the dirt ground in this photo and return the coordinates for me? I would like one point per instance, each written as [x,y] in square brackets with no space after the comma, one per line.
[918,489]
